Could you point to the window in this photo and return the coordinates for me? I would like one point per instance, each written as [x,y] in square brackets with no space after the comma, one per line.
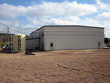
[98,44]
[51,44]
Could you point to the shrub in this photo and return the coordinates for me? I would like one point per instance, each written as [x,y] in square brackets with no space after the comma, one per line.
[2,44]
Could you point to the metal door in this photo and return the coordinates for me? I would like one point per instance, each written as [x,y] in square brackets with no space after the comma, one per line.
[51,46]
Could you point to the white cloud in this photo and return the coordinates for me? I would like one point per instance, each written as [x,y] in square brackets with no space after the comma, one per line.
[3,29]
[103,10]
[67,20]
[14,25]
[106,24]
[47,9]
[104,16]
[10,11]
[101,5]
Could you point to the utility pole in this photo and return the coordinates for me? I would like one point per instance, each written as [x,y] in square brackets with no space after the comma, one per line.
[7,31]
[7,34]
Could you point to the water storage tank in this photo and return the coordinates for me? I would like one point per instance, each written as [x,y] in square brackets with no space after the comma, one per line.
[19,42]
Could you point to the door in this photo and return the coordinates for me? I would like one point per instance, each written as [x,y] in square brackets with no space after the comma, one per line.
[51,46]
[99,45]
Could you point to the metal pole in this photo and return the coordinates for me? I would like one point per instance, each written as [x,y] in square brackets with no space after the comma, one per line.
[11,43]
[7,35]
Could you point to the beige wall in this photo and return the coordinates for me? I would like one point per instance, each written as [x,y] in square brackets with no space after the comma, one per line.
[67,41]
[72,37]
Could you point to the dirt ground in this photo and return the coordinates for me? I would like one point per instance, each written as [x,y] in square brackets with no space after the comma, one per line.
[64,66]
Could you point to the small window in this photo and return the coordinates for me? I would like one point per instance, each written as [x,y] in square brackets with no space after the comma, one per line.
[51,44]
[98,44]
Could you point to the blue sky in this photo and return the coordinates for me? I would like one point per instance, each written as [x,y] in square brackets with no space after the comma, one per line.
[26,16]
[29,2]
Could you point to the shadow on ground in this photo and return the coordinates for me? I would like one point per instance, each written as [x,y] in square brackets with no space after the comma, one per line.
[5,50]
[29,52]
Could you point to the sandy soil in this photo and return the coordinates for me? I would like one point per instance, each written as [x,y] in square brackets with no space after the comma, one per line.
[65,66]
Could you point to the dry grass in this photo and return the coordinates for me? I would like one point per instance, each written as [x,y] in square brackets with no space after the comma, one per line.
[65,66]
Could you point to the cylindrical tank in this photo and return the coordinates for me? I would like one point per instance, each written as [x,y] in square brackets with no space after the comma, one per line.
[19,42]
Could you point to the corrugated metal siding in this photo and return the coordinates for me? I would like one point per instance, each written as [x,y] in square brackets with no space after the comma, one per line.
[32,44]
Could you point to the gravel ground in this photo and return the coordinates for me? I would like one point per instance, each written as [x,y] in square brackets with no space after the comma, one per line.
[65,66]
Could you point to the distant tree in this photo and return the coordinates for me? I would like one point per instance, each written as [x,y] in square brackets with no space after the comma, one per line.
[106,40]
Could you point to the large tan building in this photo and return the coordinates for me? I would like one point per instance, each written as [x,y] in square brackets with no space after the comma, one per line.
[67,37]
